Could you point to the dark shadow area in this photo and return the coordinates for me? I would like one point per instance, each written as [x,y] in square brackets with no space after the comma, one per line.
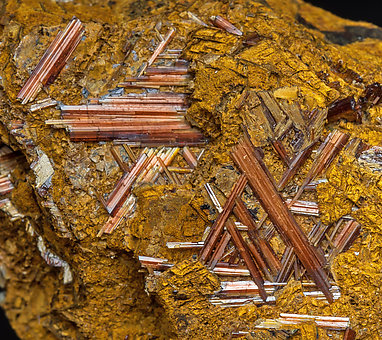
[6,331]
[352,34]
[10,159]
[359,11]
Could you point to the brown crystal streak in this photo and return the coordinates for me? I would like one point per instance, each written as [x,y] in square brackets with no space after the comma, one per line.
[7,155]
[130,153]
[168,138]
[101,199]
[190,157]
[154,119]
[154,263]
[118,108]
[172,178]
[289,259]
[224,24]
[332,146]
[304,208]
[219,251]
[129,123]
[166,70]
[343,109]
[295,164]
[123,188]
[245,255]
[162,45]
[281,151]
[266,251]
[53,60]
[269,198]
[152,98]
[372,96]
[346,237]
[146,120]
[259,260]
[329,322]
[232,259]
[166,159]
[133,126]
[118,159]
[349,334]
[269,233]
[113,221]
[317,233]
[287,265]
[218,226]
[356,146]
[6,185]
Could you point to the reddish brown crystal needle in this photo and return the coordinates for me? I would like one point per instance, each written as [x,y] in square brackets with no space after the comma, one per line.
[218,226]
[146,120]
[332,146]
[349,334]
[190,157]
[218,253]
[122,190]
[53,60]
[162,45]
[245,255]
[224,24]
[265,191]
[242,213]
[114,221]
[6,185]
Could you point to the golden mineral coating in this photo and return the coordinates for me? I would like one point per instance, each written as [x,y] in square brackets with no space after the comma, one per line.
[295,50]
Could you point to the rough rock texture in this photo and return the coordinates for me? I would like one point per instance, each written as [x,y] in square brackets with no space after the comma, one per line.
[302,52]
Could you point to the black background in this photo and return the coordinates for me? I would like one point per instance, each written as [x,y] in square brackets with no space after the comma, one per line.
[6,332]
[365,10]
[362,10]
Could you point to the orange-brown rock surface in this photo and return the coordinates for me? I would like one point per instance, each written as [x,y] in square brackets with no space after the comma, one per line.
[62,281]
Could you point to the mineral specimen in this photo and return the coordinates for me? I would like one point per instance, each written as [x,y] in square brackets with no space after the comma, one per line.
[218,175]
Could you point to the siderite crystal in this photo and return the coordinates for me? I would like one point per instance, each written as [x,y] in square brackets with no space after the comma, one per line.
[189,169]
